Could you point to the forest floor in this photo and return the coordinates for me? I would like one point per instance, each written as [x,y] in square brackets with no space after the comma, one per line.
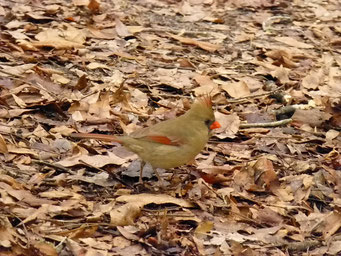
[269,180]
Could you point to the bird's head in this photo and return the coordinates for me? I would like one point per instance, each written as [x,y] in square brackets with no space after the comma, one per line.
[202,111]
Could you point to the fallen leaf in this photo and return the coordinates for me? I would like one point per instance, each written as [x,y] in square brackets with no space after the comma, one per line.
[45,248]
[282,74]
[97,161]
[203,45]
[206,86]
[313,79]
[126,214]
[204,227]
[144,199]
[236,89]
[293,42]
[3,146]
[312,117]
[229,125]
[330,135]
[80,2]
[61,39]
[121,29]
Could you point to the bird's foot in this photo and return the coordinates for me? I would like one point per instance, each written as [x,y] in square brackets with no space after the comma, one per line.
[160,179]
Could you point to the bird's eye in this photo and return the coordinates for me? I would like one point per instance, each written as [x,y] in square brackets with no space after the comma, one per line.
[208,122]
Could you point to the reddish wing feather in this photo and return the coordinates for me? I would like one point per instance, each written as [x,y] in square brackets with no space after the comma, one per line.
[162,140]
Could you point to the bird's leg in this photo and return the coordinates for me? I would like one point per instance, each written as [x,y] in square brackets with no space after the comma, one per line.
[143,163]
[158,177]
[173,174]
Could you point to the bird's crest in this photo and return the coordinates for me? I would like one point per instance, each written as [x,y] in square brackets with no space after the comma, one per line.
[206,100]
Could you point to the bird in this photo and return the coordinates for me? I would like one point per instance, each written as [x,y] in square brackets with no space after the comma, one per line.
[171,143]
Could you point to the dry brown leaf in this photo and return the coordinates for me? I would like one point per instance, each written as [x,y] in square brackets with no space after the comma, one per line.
[80,2]
[45,248]
[3,146]
[2,11]
[243,37]
[282,56]
[97,33]
[39,213]
[334,248]
[264,173]
[203,45]
[204,227]
[229,125]
[135,29]
[312,117]
[331,224]
[101,108]
[139,99]
[19,101]
[269,217]
[125,55]
[254,209]
[121,29]
[17,69]
[206,86]
[96,65]
[282,74]
[199,243]
[97,161]
[63,130]
[11,181]
[60,79]
[20,150]
[121,242]
[284,194]
[24,195]
[236,89]
[145,199]
[313,79]
[125,214]
[7,233]
[293,42]
[61,194]
[332,134]
[61,39]
[94,6]
[94,243]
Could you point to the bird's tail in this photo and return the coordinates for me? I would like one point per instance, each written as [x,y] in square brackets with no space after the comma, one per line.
[96,136]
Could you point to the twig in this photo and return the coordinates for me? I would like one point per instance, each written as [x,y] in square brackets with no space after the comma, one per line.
[113,174]
[215,192]
[296,246]
[252,96]
[270,124]
[170,66]
[57,166]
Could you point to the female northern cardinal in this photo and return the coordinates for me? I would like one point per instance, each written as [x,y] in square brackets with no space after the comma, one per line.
[170,143]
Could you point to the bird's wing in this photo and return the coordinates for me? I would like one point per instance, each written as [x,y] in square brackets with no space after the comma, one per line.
[162,140]
[156,135]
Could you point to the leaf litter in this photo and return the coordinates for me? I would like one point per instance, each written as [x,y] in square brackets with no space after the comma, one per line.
[268,183]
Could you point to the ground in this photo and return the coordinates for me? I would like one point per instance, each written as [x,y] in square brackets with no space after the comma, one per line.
[267,183]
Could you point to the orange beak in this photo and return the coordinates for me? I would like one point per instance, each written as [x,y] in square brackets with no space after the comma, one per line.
[215,125]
